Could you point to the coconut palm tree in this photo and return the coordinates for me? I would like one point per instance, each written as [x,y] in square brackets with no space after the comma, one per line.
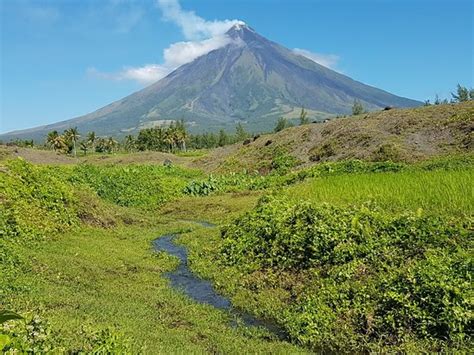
[73,135]
[111,144]
[181,134]
[84,147]
[129,143]
[168,139]
[51,138]
[92,139]
[59,143]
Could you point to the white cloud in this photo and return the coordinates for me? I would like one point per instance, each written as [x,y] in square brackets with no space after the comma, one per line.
[327,60]
[144,75]
[204,36]
[193,26]
[184,52]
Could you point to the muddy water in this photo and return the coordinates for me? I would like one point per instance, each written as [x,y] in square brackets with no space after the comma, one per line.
[201,290]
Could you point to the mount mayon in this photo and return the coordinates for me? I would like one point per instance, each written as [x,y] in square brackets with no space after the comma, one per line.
[250,80]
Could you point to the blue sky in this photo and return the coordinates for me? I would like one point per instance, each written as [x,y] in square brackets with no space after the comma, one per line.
[64,58]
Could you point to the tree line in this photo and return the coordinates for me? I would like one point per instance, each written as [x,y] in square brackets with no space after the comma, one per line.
[171,138]
[462,94]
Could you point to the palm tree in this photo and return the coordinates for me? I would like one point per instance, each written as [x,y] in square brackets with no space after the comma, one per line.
[51,138]
[129,143]
[91,139]
[181,139]
[84,147]
[59,143]
[168,139]
[73,134]
[111,144]
[181,134]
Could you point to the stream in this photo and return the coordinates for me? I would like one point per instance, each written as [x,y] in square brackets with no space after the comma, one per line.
[202,291]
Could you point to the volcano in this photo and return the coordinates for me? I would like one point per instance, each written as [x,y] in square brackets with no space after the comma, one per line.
[250,80]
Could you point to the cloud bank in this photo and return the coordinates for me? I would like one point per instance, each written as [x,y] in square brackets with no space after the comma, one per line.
[204,36]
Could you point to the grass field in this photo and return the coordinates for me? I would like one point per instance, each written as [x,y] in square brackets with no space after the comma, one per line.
[443,192]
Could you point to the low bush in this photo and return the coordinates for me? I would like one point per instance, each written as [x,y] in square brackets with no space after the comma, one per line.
[377,280]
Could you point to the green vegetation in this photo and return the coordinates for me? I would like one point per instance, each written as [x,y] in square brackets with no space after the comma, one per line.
[357,108]
[443,192]
[463,94]
[81,273]
[144,186]
[281,124]
[304,117]
[356,255]
[372,281]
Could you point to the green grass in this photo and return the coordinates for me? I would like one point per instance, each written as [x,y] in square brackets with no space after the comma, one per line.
[443,192]
[111,278]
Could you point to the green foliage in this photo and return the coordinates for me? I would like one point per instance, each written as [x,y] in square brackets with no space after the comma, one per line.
[240,132]
[34,335]
[462,94]
[304,117]
[6,315]
[282,162]
[35,203]
[223,138]
[201,188]
[144,186]
[378,280]
[357,108]
[281,124]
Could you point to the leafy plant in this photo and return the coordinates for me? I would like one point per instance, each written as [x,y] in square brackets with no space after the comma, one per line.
[376,279]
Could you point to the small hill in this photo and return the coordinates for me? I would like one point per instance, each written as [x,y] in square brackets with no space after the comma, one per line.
[398,135]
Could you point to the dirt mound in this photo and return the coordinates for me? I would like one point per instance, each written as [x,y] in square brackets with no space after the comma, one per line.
[396,134]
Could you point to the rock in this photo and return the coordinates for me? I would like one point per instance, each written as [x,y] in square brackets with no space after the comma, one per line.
[167,162]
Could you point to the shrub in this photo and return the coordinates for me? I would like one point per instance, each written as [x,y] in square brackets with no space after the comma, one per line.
[201,188]
[387,152]
[377,279]
[35,203]
[324,151]
[282,162]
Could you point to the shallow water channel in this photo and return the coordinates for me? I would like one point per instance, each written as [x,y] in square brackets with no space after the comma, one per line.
[202,291]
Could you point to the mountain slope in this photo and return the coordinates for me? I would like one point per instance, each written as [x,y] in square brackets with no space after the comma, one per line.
[251,79]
